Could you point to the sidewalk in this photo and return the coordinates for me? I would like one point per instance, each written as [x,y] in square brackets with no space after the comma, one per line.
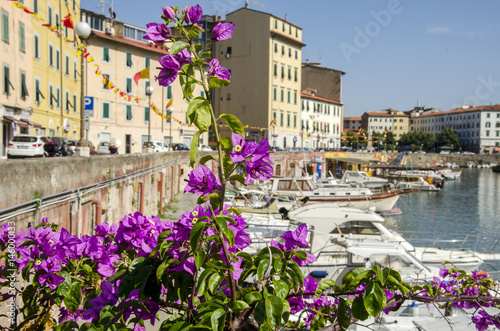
[182,203]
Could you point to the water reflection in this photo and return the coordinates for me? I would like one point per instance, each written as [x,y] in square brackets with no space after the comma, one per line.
[467,206]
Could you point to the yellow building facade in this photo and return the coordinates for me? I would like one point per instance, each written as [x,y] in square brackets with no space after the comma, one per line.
[16,97]
[264,58]
[121,111]
[56,70]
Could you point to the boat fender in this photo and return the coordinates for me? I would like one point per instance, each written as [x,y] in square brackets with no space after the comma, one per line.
[319,274]
[284,213]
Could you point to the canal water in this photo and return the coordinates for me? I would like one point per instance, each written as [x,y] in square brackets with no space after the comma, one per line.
[464,209]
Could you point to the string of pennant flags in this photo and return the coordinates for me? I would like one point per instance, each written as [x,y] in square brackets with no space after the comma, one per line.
[66,22]
[82,49]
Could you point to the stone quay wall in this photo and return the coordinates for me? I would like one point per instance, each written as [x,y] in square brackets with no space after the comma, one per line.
[78,193]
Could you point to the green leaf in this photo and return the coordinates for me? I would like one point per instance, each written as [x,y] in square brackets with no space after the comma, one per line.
[63,288]
[193,34]
[72,300]
[364,274]
[199,113]
[135,304]
[202,281]
[239,305]
[206,54]
[324,285]
[67,326]
[286,310]
[177,47]
[217,82]
[261,269]
[301,255]
[214,282]
[296,269]
[347,279]
[196,233]
[204,159]
[343,315]
[280,288]
[279,266]
[227,144]
[383,275]
[252,297]
[218,319]
[358,309]
[199,258]
[234,123]
[274,309]
[163,268]
[228,233]
[260,312]
[194,148]
[375,299]
[238,178]
[188,80]
[234,210]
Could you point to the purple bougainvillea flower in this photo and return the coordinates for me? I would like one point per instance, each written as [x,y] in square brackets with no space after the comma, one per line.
[187,265]
[218,71]
[296,238]
[109,296]
[238,154]
[258,171]
[169,12]
[222,31]
[202,181]
[171,64]
[310,259]
[258,152]
[157,33]
[481,320]
[51,280]
[193,14]
[443,272]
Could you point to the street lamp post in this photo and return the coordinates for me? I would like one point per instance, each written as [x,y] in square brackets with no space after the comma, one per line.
[170,112]
[82,29]
[149,91]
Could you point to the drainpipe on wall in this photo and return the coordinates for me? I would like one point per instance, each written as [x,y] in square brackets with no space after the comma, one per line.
[98,211]
[141,198]
[160,188]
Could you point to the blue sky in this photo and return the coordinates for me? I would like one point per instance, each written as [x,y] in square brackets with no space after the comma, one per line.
[396,52]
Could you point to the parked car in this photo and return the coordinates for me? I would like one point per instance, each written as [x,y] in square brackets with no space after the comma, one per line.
[469,153]
[178,147]
[103,148]
[156,145]
[25,145]
[205,148]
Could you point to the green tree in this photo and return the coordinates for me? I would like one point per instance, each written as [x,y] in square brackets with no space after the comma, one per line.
[448,137]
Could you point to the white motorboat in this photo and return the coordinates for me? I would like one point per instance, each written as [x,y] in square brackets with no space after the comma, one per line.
[411,182]
[336,222]
[363,179]
[358,197]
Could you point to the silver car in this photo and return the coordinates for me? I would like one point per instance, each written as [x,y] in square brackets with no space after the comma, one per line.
[26,145]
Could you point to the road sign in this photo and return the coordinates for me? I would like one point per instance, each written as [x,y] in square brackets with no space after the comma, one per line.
[86,123]
[89,106]
[89,103]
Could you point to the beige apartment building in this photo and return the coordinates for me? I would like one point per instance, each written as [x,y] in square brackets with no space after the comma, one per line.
[386,120]
[16,99]
[56,69]
[121,111]
[264,58]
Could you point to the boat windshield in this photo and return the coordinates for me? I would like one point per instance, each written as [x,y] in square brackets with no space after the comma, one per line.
[404,263]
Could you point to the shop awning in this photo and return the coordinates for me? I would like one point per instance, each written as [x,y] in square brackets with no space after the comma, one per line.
[353,160]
